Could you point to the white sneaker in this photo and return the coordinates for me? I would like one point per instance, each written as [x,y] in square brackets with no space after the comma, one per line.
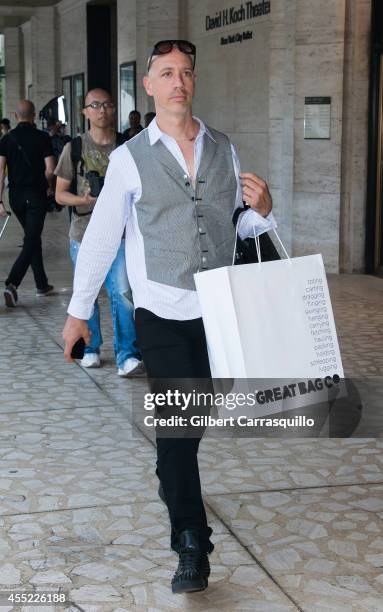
[131,367]
[90,360]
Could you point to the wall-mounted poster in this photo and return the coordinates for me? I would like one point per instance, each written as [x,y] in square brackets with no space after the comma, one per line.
[78,103]
[67,93]
[317,117]
[127,92]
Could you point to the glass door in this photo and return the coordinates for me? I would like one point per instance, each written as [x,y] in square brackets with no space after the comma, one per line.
[127,93]
[73,92]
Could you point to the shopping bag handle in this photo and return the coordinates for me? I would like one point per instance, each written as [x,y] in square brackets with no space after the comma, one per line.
[5,223]
[282,245]
[257,244]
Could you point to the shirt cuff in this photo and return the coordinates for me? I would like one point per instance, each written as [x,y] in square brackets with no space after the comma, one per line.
[252,223]
[80,310]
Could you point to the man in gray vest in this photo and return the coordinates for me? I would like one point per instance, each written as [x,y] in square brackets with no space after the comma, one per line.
[173,188]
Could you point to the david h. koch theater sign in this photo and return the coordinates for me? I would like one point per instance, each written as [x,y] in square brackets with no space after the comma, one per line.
[233,15]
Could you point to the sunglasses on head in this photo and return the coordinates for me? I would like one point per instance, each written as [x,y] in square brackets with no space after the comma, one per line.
[166,46]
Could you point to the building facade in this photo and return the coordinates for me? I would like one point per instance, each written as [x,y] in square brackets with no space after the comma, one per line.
[287,80]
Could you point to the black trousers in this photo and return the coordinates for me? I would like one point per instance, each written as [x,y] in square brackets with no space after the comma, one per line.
[177,350]
[30,210]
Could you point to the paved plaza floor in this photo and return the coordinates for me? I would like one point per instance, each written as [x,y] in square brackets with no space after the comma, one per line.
[297,522]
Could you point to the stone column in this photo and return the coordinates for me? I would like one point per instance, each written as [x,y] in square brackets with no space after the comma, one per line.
[155,21]
[355,131]
[27,54]
[319,66]
[72,29]
[126,41]
[281,115]
[43,49]
[13,71]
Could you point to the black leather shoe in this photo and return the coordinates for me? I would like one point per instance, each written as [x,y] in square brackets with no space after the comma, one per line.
[10,296]
[193,566]
[161,492]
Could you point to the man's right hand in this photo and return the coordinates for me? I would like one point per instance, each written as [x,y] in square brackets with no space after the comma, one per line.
[3,212]
[88,199]
[66,198]
[74,329]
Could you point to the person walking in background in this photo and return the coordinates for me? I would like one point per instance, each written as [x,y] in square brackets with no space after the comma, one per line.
[135,126]
[86,159]
[148,117]
[58,139]
[5,126]
[27,153]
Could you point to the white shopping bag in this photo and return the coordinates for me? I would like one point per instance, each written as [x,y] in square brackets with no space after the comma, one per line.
[269,320]
[270,330]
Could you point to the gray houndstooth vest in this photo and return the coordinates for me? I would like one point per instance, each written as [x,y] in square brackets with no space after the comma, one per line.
[185,230]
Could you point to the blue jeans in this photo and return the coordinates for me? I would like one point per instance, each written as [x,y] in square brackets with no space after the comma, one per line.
[121,309]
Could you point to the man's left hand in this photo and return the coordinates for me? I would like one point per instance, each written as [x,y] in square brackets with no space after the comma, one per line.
[256,193]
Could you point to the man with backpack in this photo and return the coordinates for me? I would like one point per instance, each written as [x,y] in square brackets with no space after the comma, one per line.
[80,174]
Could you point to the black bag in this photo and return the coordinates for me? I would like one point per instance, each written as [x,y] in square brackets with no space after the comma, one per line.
[246,251]
[52,205]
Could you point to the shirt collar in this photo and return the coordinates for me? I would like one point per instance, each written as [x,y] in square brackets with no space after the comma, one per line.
[156,134]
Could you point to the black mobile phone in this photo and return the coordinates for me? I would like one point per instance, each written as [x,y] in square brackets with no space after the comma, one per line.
[78,349]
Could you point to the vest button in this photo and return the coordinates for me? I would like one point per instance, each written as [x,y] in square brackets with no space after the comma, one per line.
[187,184]
[204,259]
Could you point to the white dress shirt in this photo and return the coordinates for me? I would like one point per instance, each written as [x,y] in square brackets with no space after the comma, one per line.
[115,211]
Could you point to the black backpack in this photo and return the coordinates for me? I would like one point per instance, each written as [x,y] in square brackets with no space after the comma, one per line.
[76,157]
